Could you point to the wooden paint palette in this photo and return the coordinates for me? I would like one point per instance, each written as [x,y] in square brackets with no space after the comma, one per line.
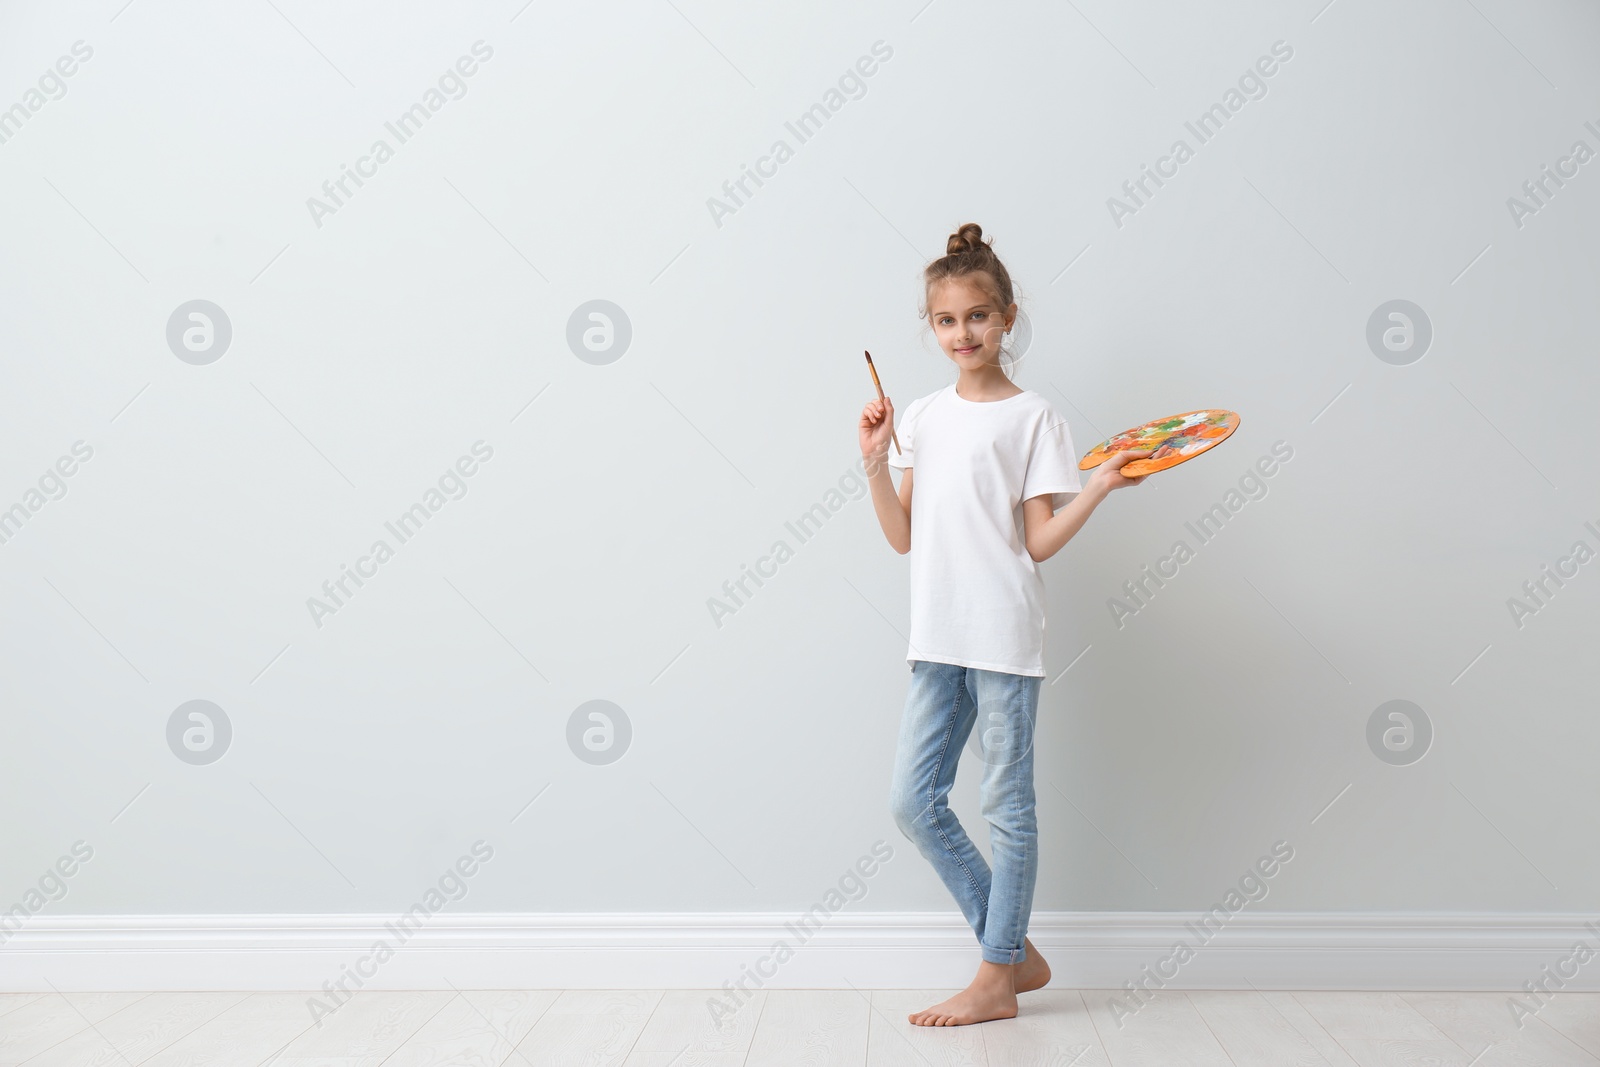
[1175,439]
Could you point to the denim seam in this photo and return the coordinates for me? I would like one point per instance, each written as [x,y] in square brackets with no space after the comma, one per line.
[944,746]
[1010,953]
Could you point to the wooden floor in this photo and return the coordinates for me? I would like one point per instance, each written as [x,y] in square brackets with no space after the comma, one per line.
[803,1028]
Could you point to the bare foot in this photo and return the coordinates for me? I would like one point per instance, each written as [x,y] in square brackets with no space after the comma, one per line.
[1031,973]
[990,996]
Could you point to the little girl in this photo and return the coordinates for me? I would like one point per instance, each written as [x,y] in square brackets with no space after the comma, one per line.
[996,462]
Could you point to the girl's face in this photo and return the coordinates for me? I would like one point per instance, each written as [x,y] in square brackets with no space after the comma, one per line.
[968,323]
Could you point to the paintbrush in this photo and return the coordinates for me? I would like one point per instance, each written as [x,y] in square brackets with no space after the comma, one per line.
[892,435]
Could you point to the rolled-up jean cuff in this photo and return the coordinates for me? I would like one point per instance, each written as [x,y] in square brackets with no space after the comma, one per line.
[1003,955]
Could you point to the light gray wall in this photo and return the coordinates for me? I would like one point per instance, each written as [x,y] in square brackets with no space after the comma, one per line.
[371,348]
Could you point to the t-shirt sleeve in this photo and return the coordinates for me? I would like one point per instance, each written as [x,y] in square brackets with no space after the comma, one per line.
[1052,463]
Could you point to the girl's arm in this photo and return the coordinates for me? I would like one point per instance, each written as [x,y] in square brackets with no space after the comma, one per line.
[894,511]
[1045,532]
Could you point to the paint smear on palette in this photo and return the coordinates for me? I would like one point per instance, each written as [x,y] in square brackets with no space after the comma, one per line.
[1174,439]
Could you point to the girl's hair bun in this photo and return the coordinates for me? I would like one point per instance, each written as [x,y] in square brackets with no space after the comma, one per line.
[969,238]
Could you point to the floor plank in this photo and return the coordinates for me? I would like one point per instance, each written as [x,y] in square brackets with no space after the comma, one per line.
[683,1032]
[1252,1031]
[479,1027]
[242,1036]
[812,1028]
[365,1030]
[1483,1023]
[1577,1017]
[580,1039]
[138,1031]
[1365,1015]
[1165,1030]
[1405,1052]
[1296,1016]
[1052,1029]
[606,1002]
[12,1001]
[893,1040]
[52,1018]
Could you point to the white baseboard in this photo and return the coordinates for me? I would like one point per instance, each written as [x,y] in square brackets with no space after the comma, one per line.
[867,950]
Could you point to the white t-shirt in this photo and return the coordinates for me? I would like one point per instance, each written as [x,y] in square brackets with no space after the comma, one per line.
[977,598]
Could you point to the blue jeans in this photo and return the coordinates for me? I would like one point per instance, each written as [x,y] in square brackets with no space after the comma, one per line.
[942,706]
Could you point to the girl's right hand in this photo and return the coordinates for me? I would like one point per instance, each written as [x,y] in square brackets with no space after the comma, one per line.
[877,426]
[1109,473]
